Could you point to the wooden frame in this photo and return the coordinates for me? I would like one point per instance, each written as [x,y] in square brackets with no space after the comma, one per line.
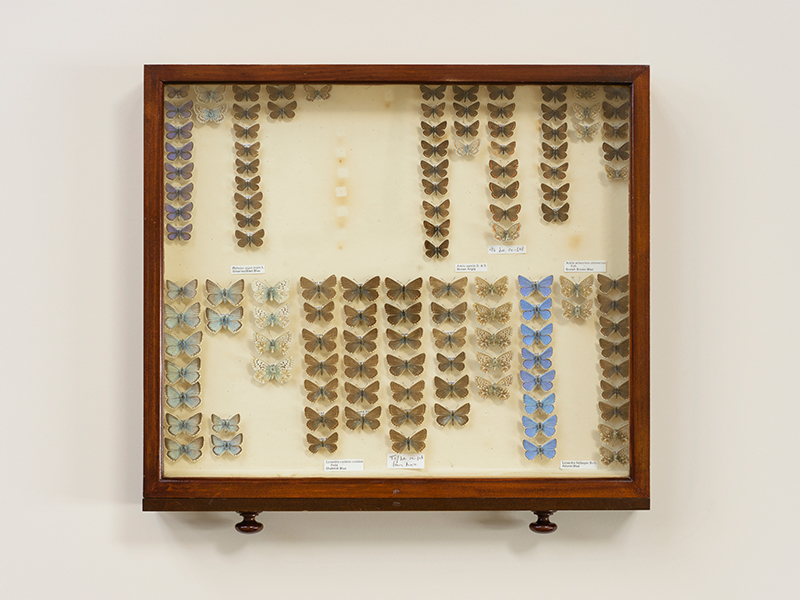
[317,493]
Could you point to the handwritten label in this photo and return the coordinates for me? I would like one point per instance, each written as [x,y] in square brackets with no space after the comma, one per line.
[471,267]
[584,266]
[405,461]
[344,464]
[507,249]
[578,465]
[247,269]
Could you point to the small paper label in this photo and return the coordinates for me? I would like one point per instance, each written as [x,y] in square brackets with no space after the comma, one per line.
[578,465]
[344,464]
[247,269]
[405,461]
[341,191]
[507,249]
[584,266]
[471,267]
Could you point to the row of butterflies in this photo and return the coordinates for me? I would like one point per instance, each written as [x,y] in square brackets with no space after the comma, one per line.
[432,172]
[618,112]
[191,427]
[401,443]
[247,179]
[370,420]
[554,153]
[176,172]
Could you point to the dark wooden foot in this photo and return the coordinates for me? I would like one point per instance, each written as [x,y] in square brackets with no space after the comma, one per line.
[543,524]
[249,523]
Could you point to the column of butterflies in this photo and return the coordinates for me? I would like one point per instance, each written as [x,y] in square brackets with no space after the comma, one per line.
[614,129]
[178,169]
[614,386]
[505,188]
[554,109]
[248,198]
[434,173]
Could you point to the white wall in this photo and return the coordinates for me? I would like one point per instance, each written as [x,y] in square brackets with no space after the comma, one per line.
[725,98]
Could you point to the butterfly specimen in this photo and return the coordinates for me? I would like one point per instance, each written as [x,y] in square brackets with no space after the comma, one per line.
[558,194]
[470,94]
[437,170]
[247,168]
[586,92]
[316,444]
[497,170]
[470,130]
[621,327]
[280,371]
[467,148]
[176,92]
[537,382]
[243,183]
[608,305]
[609,435]
[468,111]
[542,287]
[249,113]
[413,366]
[505,93]
[506,235]
[412,443]
[586,113]
[502,112]
[189,346]
[485,315]
[408,292]
[458,416]
[413,416]
[435,131]
[484,289]
[621,153]
[189,318]
[570,288]
[210,114]
[451,363]
[609,348]
[503,149]
[509,191]
[179,193]
[243,94]
[246,133]
[354,369]
[536,311]
[456,314]
[553,152]
[450,339]
[190,426]
[191,450]
[430,150]
[552,171]
[437,189]
[492,363]
[541,336]
[277,345]
[248,220]
[323,368]
[545,405]
[190,373]
[325,342]
[486,340]
[616,112]
[440,212]
[367,291]
[232,321]
[230,425]
[318,420]
[233,294]
[612,391]
[279,318]
[410,314]
[616,174]
[413,393]
[548,450]
[321,93]
[534,428]
[609,412]
[360,318]
[585,132]
[607,284]
[557,113]
[499,389]
[411,340]
[184,172]
[249,239]
[179,152]
[622,456]
[368,394]
[310,289]
[554,95]
[184,132]
[358,343]
[180,213]
[232,446]
[282,112]
[576,311]
[431,93]
[247,150]
[276,92]
[206,94]
[532,360]
[321,392]
[555,134]
[616,93]
[610,369]
[432,111]
[189,399]
[497,130]
[264,293]
[354,420]
[615,132]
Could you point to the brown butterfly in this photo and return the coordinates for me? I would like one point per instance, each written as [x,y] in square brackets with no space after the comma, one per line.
[361,318]
[621,327]
[510,191]
[584,131]
[316,444]
[440,211]
[445,417]
[354,369]
[451,363]
[249,239]
[450,339]
[430,150]
[554,95]
[608,411]
[414,443]
[410,314]
[321,392]
[247,168]
[326,368]
[253,220]
[509,214]
[430,93]
[413,366]
[503,149]
[456,314]
[412,416]
[434,251]
[506,93]
[610,369]
[247,150]
[413,393]
[325,342]
[470,130]
[555,134]
[326,419]
[437,189]
[357,343]
[241,94]
[466,111]
[354,420]
[607,284]
[618,132]
[316,313]
[368,394]
[616,93]
[609,348]
[276,92]
[286,111]
[622,456]
[576,311]
[570,288]
[502,234]
[558,113]
[500,314]
[367,291]
[621,153]
[484,289]
[432,112]
[497,170]
[455,288]
[551,171]
[585,92]
[246,133]
[398,340]
[616,174]
[586,113]
[497,130]
[553,152]
[243,184]
[321,93]
[502,112]
[607,305]
[177,92]
[616,112]
[558,194]
[470,94]
[500,338]
[439,170]
[250,113]
[436,131]
[409,292]
[609,435]
[440,230]
[559,215]
[498,389]
[489,363]
[456,389]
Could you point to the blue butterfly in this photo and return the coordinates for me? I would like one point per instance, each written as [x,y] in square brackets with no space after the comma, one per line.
[184,111]
[545,405]
[190,426]
[231,321]
[532,360]
[175,291]
[547,427]
[189,399]
[176,346]
[180,233]
[533,450]
[232,446]
[541,336]
[208,114]
[179,152]
[182,193]
[528,287]
[183,132]
[189,318]
[182,213]
[184,172]
[535,382]
[191,450]
[536,311]
[233,294]
[190,373]
[221,425]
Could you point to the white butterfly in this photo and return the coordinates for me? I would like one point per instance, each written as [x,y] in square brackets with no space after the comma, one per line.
[467,149]
[586,113]
[280,371]
[279,318]
[209,114]
[279,344]
[277,293]
[585,132]
[205,94]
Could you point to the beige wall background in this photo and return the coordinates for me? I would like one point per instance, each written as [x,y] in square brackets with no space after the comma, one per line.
[725,403]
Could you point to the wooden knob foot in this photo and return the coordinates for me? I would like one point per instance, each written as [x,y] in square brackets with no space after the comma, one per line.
[248,523]
[543,524]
